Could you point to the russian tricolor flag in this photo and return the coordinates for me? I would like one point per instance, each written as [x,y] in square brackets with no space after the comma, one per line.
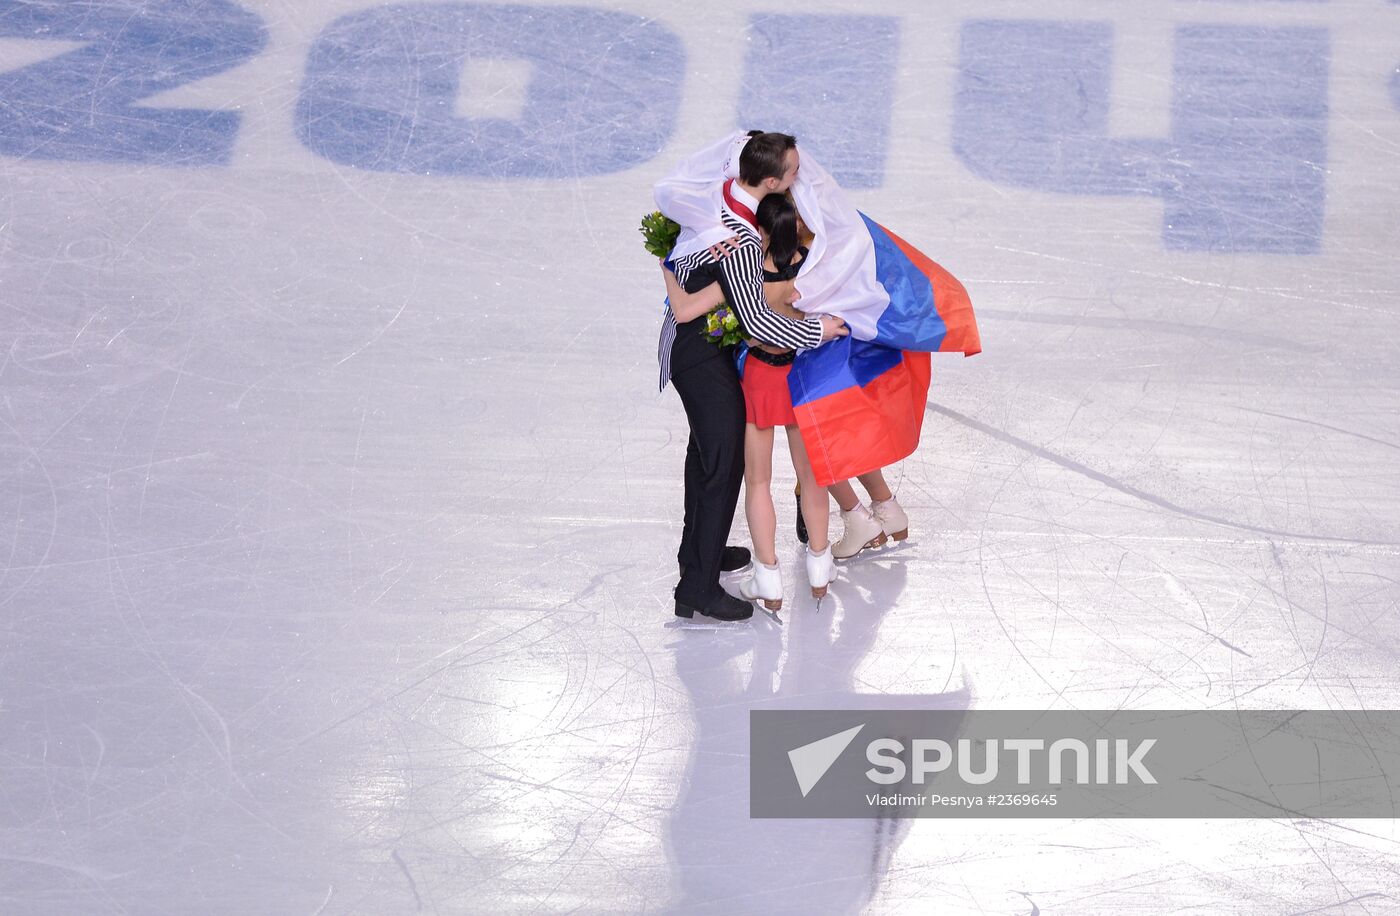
[860,402]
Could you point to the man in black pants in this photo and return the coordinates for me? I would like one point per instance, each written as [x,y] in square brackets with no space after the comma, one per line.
[705,377]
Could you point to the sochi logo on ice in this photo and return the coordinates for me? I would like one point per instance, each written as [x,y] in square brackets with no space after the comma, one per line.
[1112,762]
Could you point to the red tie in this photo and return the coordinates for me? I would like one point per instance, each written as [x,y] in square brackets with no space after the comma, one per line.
[739,208]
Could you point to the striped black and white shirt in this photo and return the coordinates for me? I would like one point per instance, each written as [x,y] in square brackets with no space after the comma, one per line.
[741,278]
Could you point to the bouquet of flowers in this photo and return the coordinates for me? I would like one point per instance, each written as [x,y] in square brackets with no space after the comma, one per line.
[659,234]
[722,326]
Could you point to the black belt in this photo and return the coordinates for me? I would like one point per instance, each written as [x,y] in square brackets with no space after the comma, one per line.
[784,358]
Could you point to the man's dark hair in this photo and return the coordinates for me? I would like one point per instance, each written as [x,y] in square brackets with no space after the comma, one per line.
[763,156]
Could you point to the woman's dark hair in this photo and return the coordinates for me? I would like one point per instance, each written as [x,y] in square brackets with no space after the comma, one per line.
[778,217]
[762,156]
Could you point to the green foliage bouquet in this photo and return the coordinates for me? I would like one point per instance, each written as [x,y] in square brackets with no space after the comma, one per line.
[659,233]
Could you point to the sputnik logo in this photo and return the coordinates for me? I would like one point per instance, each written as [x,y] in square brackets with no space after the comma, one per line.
[811,761]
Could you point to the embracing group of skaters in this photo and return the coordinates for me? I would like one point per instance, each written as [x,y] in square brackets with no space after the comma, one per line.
[744,242]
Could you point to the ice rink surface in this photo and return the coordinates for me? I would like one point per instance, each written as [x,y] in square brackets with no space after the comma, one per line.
[339,506]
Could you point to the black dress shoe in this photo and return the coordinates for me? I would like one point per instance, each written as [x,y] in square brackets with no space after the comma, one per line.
[735,558]
[724,607]
[801,522]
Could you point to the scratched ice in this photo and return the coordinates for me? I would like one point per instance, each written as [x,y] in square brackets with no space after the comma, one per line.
[339,509]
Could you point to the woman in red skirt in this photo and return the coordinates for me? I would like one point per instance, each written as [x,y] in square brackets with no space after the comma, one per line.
[768,404]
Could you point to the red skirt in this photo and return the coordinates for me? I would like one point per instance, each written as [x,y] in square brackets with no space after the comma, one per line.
[767,401]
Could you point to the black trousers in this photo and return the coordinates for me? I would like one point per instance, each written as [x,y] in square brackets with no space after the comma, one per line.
[714,464]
